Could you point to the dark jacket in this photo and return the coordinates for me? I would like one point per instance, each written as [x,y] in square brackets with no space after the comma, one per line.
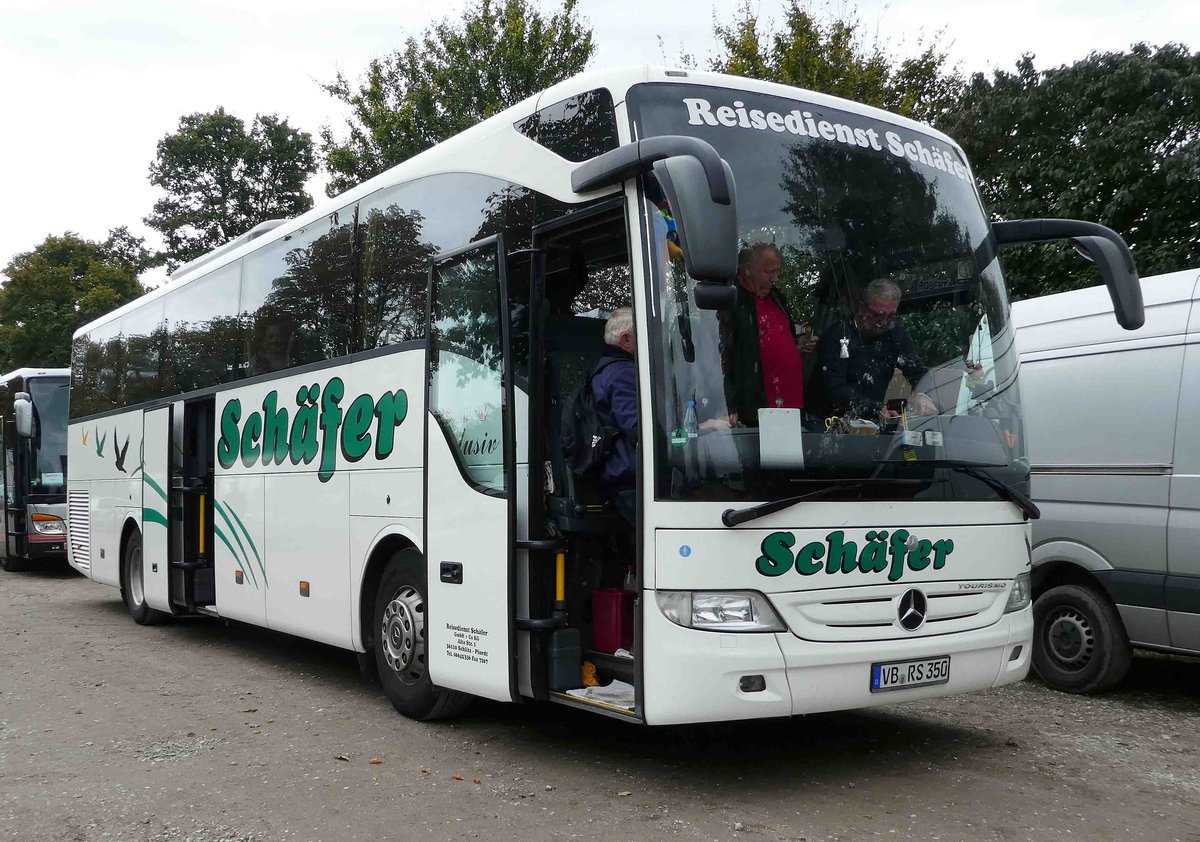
[741,354]
[858,385]
[615,391]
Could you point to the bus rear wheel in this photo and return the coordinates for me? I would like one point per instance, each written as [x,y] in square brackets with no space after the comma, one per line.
[1079,642]
[133,588]
[400,643]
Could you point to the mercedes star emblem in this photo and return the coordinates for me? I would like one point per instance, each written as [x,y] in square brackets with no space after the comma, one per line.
[912,609]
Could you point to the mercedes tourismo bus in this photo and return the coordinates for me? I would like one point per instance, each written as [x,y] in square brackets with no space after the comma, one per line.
[33,424]
[346,426]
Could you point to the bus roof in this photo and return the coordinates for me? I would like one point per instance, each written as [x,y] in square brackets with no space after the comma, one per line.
[499,148]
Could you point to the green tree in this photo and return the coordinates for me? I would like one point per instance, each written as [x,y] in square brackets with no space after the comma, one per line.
[221,180]
[124,247]
[834,57]
[1114,139]
[62,284]
[454,75]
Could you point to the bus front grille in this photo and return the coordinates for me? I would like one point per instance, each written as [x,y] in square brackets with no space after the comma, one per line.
[871,612]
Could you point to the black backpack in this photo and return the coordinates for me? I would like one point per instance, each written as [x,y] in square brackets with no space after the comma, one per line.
[586,436]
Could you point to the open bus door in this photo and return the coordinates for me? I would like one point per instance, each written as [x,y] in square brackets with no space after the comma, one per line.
[470,475]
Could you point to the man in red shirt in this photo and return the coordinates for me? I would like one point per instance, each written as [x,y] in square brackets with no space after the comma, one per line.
[760,348]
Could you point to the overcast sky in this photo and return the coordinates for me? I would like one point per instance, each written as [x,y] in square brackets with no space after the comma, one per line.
[89,88]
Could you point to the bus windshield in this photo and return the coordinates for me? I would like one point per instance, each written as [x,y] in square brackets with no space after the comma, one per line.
[870,341]
[48,463]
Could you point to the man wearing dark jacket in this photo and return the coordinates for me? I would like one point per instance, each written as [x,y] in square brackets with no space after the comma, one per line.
[760,351]
[614,387]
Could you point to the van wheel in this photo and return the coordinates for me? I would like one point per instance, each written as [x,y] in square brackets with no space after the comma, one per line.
[399,643]
[1079,642]
[133,589]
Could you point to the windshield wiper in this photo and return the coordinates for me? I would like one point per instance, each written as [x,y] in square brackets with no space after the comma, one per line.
[1019,498]
[1013,495]
[733,517]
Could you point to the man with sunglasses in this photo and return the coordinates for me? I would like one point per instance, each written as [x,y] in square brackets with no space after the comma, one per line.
[858,360]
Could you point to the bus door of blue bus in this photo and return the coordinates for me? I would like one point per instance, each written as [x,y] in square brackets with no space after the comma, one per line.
[470,475]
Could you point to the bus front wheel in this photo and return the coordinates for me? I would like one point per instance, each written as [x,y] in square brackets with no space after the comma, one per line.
[399,643]
[133,589]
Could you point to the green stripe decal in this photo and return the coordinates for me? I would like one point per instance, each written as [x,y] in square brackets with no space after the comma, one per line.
[150,482]
[250,541]
[152,516]
[242,554]
[217,531]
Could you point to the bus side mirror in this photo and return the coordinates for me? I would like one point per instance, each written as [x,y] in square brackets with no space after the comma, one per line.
[23,414]
[1123,285]
[699,187]
[711,295]
[1096,243]
[707,228]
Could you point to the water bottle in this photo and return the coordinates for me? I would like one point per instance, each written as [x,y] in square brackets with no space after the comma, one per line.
[689,420]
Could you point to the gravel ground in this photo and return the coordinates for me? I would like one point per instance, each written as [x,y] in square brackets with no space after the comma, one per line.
[208,732]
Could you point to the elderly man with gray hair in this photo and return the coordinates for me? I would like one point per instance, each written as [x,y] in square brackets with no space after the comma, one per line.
[857,360]
[614,388]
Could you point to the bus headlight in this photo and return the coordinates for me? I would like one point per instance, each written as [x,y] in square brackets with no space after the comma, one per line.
[1020,595]
[724,611]
[48,525]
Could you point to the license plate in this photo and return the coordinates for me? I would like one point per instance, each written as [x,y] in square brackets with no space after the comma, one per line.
[901,675]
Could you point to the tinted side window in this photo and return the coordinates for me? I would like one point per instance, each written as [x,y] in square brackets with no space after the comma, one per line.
[145,338]
[395,266]
[466,392]
[205,336]
[405,227]
[298,296]
[88,371]
[577,128]
[112,365]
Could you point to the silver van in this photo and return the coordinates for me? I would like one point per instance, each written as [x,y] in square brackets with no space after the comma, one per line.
[1114,448]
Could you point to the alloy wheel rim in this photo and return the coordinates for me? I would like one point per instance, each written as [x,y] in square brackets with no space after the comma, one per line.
[402,635]
[137,586]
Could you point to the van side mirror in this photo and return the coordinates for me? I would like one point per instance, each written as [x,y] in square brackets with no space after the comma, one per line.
[1096,243]
[23,414]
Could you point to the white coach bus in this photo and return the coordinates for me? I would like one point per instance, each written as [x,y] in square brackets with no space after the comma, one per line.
[346,426]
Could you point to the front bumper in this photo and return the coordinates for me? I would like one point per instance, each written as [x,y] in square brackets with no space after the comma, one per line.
[45,547]
[694,676]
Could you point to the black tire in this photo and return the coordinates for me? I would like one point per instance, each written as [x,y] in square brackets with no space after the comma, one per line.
[132,587]
[1079,642]
[12,564]
[398,637]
